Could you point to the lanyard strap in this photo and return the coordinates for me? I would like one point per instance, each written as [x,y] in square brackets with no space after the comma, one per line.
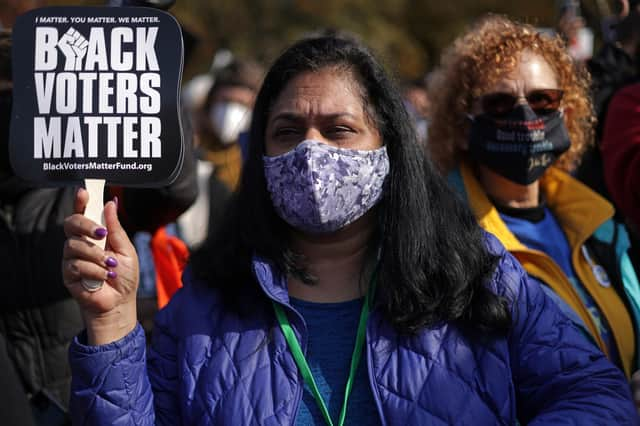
[303,366]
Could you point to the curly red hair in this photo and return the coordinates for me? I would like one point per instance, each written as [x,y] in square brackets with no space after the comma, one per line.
[477,60]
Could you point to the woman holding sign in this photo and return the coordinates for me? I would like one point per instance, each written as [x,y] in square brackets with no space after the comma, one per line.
[348,283]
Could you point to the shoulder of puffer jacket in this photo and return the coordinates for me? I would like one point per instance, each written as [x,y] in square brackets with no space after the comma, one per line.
[509,275]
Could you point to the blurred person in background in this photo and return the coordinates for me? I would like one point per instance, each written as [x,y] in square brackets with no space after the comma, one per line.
[419,105]
[616,65]
[620,149]
[572,28]
[194,93]
[510,122]
[226,113]
[156,287]
[617,163]
[38,317]
[344,258]
[220,119]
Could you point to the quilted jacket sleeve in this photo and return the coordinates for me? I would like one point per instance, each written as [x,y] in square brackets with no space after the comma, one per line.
[561,378]
[110,384]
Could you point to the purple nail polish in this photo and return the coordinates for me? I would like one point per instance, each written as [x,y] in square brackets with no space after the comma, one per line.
[100,232]
[111,275]
[111,262]
[115,200]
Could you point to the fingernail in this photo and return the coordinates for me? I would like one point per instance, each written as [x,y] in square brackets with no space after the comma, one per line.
[111,275]
[115,200]
[111,262]
[100,232]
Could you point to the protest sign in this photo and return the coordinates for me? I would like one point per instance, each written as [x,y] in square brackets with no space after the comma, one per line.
[95,99]
[96,96]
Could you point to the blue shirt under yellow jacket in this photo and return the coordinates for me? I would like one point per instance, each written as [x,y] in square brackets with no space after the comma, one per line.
[586,220]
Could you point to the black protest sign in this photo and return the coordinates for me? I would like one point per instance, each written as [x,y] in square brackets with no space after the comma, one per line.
[96,95]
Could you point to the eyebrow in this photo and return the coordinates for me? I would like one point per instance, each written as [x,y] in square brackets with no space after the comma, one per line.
[291,116]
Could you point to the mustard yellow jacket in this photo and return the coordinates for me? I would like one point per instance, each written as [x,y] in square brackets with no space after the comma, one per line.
[582,214]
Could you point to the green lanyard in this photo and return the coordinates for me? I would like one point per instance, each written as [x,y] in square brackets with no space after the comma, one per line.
[301,362]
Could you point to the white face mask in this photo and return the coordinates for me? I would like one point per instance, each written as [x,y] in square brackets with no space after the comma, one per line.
[228,120]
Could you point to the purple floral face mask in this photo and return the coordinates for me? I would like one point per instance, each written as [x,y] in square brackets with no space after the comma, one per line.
[319,188]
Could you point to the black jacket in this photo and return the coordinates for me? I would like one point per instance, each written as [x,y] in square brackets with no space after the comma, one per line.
[38,317]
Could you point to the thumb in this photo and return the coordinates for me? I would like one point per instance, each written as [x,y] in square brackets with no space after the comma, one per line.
[117,239]
[81,200]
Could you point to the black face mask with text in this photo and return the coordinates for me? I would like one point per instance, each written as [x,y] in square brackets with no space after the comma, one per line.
[520,145]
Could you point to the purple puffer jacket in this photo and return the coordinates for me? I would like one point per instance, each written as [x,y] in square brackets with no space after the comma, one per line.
[207,366]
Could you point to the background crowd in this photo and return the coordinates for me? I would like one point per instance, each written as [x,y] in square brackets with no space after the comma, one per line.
[474,87]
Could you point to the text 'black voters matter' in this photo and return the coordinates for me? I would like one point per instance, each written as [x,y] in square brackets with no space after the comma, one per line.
[96,95]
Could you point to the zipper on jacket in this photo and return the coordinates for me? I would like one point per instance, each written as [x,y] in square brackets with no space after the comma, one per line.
[577,267]
[370,373]
[303,334]
[581,250]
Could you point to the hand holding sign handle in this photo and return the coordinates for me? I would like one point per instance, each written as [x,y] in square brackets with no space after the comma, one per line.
[110,313]
[95,212]
[119,124]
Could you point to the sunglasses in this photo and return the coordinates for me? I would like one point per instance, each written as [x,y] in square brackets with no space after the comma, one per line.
[542,101]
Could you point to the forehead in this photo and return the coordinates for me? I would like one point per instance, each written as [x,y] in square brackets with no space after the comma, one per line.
[326,91]
[531,71]
[239,94]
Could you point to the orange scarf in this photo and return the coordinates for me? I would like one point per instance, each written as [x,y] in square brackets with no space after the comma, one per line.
[170,255]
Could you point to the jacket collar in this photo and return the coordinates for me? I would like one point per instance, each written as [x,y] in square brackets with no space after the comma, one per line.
[579,210]
[273,283]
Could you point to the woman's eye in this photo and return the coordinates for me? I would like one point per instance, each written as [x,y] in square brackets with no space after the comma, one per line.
[285,131]
[341,130]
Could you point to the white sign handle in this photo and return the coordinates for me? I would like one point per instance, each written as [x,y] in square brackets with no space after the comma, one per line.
[95,212]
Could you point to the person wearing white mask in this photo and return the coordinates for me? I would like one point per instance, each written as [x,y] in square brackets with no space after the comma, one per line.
[225,114]
[229,118]
[219,121]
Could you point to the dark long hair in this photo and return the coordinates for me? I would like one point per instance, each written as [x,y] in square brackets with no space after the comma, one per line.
[434,266]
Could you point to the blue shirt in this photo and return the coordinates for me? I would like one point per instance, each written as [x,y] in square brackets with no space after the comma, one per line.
[332,331]
[548,237]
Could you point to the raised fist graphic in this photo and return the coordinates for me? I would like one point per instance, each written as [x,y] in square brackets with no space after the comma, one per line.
[73,46]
